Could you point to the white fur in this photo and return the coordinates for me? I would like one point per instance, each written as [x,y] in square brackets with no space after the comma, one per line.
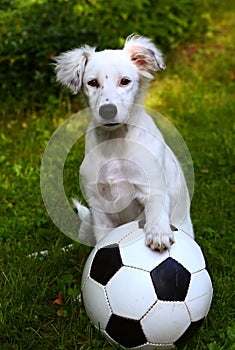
[128,173]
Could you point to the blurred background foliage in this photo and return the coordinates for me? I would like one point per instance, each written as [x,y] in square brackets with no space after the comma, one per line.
[32,32]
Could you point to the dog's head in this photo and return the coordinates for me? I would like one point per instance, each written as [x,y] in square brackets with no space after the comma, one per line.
[113,80]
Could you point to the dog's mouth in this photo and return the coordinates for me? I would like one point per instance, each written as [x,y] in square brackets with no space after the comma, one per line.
[112,125]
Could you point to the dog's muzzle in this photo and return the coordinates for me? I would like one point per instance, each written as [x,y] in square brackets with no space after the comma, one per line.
[108,112]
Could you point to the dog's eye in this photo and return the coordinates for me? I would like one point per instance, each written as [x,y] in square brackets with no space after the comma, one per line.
[125,81]
[93,83]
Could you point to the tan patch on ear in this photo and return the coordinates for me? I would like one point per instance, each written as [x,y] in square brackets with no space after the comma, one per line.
[140,60]
[143,58]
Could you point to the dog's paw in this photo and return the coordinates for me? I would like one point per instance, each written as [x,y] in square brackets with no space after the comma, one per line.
[158,239]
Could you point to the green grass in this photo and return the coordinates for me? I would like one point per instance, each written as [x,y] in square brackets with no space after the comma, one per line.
[196,93]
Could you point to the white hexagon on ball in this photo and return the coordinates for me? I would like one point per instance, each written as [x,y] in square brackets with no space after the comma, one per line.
[132,246]
[131,292]
[188,252]
[173,316]
[96,303]
[198,299]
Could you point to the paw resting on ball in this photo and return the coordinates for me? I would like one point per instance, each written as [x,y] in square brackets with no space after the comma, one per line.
[158,238]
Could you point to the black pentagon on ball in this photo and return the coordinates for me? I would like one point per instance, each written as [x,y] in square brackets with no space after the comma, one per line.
[126,332]
[171,280]
[106,263]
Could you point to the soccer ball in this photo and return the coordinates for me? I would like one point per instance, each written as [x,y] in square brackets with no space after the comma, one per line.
[141,299]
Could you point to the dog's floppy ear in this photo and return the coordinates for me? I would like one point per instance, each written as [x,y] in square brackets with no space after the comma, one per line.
[144,54]
[70,67]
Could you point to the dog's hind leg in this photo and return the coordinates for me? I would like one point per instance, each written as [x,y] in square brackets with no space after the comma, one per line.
[86,232]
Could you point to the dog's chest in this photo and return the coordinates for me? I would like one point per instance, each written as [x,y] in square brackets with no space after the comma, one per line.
[108,182]
[114,179]
[114,170]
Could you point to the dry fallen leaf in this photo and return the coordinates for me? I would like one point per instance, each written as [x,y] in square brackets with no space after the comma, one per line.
[59,300]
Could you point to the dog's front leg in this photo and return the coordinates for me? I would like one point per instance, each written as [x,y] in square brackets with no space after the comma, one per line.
[159,235]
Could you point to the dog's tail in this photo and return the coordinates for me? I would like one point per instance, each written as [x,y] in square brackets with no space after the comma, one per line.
[83,212]
[86,232]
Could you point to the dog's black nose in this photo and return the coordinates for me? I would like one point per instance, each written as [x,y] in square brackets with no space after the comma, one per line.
[108,111]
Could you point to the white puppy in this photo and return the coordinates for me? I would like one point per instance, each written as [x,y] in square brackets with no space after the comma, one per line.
[129,173]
